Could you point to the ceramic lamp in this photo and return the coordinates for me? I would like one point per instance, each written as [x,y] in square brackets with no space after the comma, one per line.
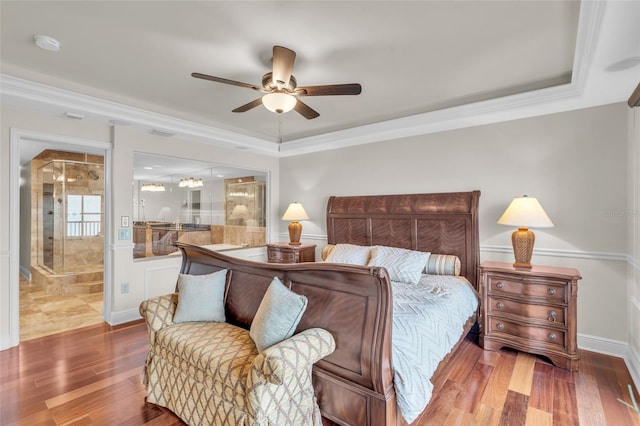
[524,212]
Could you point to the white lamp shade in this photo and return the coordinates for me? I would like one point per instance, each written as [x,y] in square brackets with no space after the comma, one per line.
[295,211]
[525,212]
[279,102]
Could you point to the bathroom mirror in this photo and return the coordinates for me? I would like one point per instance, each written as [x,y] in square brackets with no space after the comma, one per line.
[194,201]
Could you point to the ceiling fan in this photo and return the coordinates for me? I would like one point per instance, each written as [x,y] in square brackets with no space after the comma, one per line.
[281,90]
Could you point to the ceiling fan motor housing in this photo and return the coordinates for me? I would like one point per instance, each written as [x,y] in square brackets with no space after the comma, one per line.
[271,86]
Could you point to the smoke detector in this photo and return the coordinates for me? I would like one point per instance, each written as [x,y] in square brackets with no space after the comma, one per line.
[47,43]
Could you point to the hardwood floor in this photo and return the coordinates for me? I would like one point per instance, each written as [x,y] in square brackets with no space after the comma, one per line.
[92,376]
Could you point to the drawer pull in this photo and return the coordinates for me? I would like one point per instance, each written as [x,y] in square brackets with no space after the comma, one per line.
[500,305]
[499,284]
[499,326]
[551,291]
[552,336]
[551,316]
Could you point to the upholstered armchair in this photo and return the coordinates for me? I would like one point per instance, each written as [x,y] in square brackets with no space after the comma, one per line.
[211,373]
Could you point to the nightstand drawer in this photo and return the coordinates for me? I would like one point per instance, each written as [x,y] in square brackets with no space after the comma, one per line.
[291,253]
[527,331]
[547,314]
[529,288]
[282,257]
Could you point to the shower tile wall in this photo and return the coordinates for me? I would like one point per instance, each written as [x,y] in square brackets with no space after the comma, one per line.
[79,252]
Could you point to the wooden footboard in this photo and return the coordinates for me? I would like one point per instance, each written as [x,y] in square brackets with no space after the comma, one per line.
[354,385]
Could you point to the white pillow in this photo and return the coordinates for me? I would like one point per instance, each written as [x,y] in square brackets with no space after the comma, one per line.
[349,253]
[201,297]
[402,265]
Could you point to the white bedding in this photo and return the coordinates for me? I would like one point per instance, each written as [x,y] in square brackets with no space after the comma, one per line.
[428,320]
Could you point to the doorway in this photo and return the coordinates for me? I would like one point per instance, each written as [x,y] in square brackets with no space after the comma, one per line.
[64,203]
[24,146]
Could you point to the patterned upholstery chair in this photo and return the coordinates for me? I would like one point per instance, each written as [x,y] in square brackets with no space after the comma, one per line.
[210,373]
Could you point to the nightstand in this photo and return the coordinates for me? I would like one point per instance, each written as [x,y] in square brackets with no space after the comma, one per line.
[287,253]
[531,310]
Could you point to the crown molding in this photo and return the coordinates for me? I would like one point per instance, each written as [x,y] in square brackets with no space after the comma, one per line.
[32,95]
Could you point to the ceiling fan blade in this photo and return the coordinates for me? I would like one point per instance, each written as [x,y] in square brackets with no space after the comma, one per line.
[250,105]
[305,110]
[225,81]
[330,89]
[283,60]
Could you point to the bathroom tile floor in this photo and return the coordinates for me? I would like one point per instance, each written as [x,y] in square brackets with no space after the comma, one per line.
[43,314]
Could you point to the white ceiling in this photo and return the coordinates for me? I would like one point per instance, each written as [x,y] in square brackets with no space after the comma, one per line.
[424,66]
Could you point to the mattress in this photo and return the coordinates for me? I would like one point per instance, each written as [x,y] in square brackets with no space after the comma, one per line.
[428,321]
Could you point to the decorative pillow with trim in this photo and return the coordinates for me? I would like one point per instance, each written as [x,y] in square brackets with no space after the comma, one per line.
[201,297]
[443,264]
[403,265]
[349,253]
[278,315]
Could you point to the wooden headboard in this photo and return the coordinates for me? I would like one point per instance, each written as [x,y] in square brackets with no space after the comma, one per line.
[444,223]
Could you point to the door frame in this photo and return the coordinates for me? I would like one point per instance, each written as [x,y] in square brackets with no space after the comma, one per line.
[17,138]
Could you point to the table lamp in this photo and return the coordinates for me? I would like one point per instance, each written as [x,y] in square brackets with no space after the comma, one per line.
[524,212]
[239,212]
[295,212]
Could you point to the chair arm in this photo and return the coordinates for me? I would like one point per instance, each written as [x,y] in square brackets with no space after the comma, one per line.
[297,353]
[279,384]
[158,313]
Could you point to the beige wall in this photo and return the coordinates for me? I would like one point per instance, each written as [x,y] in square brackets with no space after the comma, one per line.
[574,163]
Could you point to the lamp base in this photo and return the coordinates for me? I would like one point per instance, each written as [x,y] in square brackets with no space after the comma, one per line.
[523,240]
[295,230]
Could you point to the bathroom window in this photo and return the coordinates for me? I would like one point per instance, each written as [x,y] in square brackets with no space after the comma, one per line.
[84,217]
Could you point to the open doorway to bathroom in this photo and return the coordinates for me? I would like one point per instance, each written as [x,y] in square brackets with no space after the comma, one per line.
[62,204]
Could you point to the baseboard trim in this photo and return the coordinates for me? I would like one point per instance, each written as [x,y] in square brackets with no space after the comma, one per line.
[25,273]
[602,345]
[120,317]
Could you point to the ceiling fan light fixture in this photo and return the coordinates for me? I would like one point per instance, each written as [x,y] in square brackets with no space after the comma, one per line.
[279,102]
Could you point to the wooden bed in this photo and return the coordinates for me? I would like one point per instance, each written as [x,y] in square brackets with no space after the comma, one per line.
[354,385]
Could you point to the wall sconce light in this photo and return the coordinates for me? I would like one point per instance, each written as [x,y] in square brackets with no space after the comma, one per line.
[524,212]
[295,212]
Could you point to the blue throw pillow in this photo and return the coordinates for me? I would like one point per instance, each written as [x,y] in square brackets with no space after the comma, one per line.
[201,297]
[278,315]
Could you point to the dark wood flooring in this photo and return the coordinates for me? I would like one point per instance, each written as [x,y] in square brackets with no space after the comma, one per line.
[91,376]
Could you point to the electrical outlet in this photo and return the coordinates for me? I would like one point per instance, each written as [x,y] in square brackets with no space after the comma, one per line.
[124,288]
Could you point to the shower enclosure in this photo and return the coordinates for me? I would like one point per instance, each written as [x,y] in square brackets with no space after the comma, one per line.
[70,217]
